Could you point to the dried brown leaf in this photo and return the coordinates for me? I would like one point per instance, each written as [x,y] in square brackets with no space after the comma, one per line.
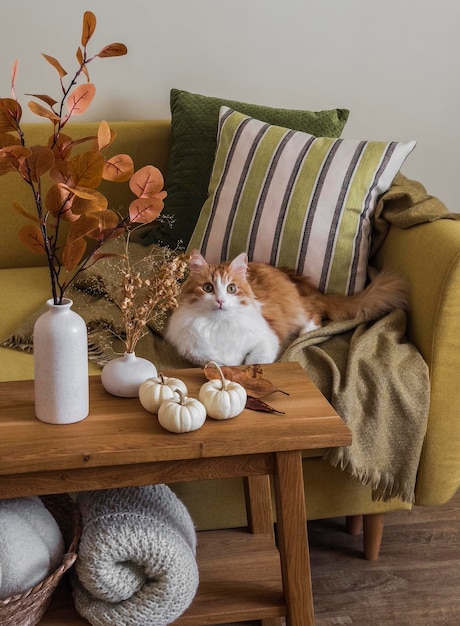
[38,163]
[60,172]
[255,371]
[6,140]
[118,169]
[15,152]
[257,386]
[31,236]
[73,253]
[86,169]
[10,114]
[88,28]
[40,110]
[97,202]
[58,202]
[14,72]
[108,221]
[84,67]
[147,181]
[55,63]
[61,146]
[86,73]
[145,210]
[80,98]
[6,166]
[82,227]
[256,404]
[80,192]
[113,50]
[12,156]
[44,98]
[104,135]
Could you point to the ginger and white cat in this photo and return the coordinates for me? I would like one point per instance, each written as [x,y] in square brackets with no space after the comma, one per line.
[239,312]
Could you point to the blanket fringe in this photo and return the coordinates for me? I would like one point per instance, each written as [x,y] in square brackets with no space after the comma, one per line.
[384,486]
[96,354]
[17,342]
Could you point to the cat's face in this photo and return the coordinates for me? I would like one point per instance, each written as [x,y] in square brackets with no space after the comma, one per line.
[217,288]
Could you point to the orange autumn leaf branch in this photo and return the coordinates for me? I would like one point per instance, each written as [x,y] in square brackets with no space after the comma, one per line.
[72,212]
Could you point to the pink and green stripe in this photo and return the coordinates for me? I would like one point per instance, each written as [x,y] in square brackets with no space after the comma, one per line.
[294,200]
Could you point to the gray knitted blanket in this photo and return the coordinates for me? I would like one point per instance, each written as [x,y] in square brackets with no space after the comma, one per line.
[136,562]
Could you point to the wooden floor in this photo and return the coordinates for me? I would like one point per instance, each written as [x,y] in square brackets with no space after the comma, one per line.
[415,581]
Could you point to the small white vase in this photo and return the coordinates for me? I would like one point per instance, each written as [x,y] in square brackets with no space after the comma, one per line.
[61,385]
[124,375]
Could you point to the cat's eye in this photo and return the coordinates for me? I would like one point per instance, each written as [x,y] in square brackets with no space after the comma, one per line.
[231,288]
[208,288]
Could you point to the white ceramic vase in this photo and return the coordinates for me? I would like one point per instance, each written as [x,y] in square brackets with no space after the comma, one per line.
[124,375]
[61,384]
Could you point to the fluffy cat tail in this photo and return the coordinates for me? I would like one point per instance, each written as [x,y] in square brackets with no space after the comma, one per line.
[386,292]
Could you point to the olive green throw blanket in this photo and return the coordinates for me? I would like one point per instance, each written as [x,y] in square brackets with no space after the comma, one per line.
[379,384]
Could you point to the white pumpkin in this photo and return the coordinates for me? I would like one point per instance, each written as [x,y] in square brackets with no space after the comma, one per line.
[154,391]
[181,414]
[222,398]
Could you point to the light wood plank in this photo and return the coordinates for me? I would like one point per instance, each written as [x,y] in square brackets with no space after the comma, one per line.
[292,538]
[240,580]
[414,582]
[121,444]
[259,504]
[119,432]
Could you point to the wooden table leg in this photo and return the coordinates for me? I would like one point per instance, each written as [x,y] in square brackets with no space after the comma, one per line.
[293,539]
[260,516]
[259,504]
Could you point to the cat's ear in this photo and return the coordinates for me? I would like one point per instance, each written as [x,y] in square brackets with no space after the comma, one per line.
[240,264]
[197,261]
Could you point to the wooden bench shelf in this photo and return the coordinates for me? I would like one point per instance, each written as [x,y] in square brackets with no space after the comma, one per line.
[240,580]
[243,576]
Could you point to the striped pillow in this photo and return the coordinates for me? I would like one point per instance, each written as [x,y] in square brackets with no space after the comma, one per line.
[293,200]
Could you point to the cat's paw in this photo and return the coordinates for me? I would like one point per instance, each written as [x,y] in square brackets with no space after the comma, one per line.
[262,354]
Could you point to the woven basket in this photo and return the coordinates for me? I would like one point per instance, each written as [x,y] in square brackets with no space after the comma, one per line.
[28,608]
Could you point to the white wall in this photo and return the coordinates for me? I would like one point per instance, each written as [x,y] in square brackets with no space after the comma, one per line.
[394,64]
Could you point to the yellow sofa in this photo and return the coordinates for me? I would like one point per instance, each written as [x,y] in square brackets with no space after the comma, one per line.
[428,255]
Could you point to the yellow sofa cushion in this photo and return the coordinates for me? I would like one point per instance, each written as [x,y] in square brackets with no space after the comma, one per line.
[147,142]
[24,290]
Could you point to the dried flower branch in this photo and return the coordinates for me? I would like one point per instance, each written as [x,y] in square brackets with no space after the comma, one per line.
[72,211]
[148,288]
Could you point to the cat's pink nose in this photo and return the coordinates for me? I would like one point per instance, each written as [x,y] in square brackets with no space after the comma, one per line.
[220,302]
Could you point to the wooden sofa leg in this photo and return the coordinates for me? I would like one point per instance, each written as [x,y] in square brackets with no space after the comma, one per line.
[354,524]
[373,532]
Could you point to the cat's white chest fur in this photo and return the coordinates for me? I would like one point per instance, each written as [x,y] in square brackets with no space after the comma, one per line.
[229,336]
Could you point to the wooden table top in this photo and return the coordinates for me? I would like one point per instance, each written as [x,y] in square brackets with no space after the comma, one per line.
[119,431]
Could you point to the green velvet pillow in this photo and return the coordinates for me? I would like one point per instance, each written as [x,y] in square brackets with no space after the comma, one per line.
[294,200]
[194,121]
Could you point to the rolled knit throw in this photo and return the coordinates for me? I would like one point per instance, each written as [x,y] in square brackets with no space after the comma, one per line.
[136,562]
